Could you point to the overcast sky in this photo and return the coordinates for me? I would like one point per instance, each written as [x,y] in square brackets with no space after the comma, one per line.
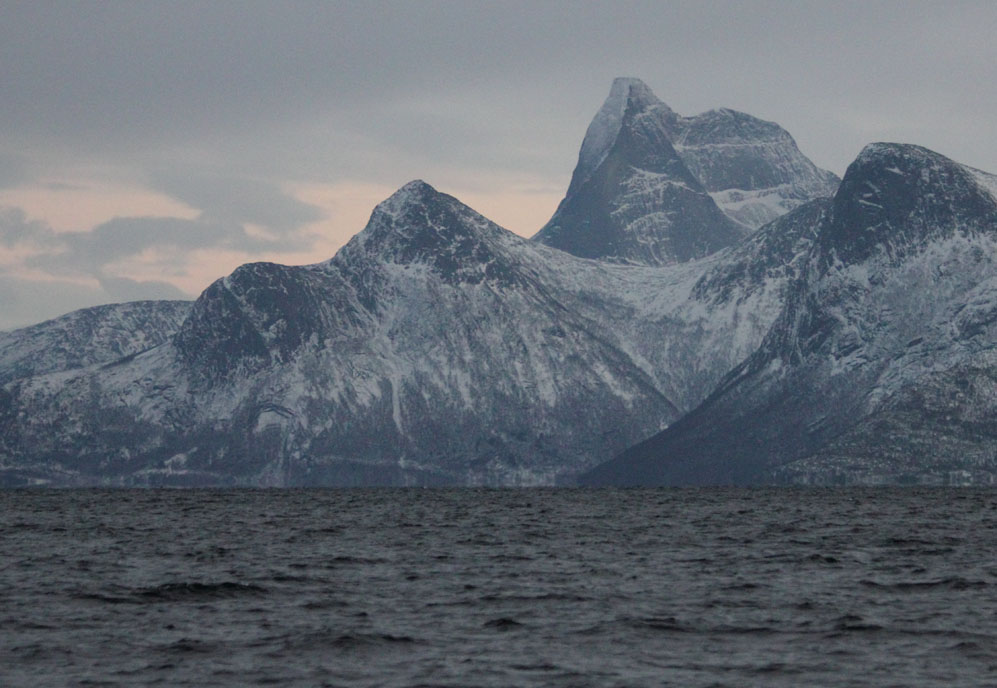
[147,148]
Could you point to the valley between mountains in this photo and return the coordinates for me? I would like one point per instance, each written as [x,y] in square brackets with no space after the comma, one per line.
[705,306]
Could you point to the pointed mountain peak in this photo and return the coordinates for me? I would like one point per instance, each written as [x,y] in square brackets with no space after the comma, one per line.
[414,194]
[653,187]
[630,90]
[420,225]
[626,95]
[416,186]
[416,214]
[897,195]
[631,197]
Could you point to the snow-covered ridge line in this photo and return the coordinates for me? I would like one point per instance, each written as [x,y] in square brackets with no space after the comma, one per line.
[89,336]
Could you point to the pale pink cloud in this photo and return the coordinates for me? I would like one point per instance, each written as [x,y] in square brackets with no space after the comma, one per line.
[74,205]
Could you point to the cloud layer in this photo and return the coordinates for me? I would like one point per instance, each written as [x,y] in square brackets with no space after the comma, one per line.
[240,215]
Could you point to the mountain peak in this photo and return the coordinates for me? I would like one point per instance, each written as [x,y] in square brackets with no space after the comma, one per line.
[896,158]
[902,161]
[652,187]
[625,94]
[634,90]
[414,215]
[415,193]
[418,225]
[632,198]
[724,125]
[894,195]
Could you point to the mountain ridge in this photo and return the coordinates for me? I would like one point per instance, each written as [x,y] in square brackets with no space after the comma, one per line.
[434,348]
[88,336]
[905,250]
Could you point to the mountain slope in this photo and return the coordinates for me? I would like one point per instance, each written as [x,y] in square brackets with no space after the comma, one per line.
[751,168]
[434,348]
[881,366]
[648,182]
[88,336]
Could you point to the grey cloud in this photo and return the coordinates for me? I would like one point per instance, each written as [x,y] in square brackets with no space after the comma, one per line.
[144,74]
[328,91]
[124,289]
[311,88]
[91,255]
[124,237]
[236,199]
[86,253]
[129,236]
[16,229]
[26,302]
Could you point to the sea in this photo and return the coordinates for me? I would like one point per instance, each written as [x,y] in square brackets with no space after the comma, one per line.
[499,587]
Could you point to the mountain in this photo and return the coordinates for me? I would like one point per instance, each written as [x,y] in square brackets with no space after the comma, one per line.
[438,348]
[751,168]
[88,336]
[434,348]
[882,366]
[654,188]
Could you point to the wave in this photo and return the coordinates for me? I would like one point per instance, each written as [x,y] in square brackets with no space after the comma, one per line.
[949,583]
[176,592]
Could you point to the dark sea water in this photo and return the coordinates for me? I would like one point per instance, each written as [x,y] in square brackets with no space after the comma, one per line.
[780,587]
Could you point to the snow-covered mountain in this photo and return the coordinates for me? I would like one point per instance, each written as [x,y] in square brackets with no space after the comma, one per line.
[88,336]
[751,168]
[434,348]
[882,366]
[654,188]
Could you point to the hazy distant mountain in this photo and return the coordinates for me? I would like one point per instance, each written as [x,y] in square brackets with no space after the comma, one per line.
[654,188]
[882,366]
[88,336]
[751,168]
[435,348]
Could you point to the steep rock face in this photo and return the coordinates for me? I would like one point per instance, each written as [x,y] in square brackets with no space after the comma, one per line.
[880,368]
[655,188]
[730,306]
[434,348]
[751,168]
[258,316]
[89,336]
[631,197]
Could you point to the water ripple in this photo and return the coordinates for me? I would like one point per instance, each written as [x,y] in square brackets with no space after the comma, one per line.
[498,587]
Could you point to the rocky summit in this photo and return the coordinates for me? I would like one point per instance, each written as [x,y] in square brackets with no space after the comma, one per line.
[654,188]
